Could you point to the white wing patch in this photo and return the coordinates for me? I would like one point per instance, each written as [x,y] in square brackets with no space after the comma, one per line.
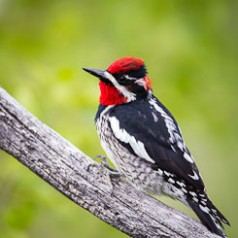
[194,176]
[156,119]
[123,136]
[204,209]
[188,157]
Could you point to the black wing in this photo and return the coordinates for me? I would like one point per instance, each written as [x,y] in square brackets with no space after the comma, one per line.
[159,141]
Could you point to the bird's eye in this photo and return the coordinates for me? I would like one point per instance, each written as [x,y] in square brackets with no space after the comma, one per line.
[121,79]
[125,79]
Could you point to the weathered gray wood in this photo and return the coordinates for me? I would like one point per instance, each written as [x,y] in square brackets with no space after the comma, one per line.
[87,183]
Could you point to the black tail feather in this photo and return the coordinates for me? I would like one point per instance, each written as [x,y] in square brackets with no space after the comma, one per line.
[216,213]
[209,215]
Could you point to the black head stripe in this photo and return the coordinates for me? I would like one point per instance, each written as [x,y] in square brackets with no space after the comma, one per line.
[138,73]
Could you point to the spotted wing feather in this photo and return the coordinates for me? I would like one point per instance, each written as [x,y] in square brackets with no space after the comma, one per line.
[144,127]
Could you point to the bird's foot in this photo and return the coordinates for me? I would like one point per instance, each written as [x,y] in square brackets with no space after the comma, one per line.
[104,163]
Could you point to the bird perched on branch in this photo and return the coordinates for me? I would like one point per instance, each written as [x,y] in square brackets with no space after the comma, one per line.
[144,141]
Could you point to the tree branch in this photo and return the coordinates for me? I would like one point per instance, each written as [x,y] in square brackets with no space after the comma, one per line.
[85,182]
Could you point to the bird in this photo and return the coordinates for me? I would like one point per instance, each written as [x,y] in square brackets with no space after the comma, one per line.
[144,142]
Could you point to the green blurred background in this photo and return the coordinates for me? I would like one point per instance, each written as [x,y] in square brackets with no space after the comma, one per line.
[190,49]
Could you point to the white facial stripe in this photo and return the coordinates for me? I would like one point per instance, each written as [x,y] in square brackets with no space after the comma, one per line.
[129,95]
[122,135]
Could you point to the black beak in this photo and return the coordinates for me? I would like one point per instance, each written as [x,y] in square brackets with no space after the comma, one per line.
[96,72]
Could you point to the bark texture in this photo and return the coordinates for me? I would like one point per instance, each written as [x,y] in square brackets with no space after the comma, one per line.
[87,183]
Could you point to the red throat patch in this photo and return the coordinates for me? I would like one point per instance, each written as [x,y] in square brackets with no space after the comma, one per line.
[110,95]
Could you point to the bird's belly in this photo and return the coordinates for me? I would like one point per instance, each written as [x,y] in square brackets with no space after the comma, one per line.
[137,170]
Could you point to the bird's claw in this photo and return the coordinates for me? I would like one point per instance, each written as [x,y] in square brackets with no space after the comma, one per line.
[106,165]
